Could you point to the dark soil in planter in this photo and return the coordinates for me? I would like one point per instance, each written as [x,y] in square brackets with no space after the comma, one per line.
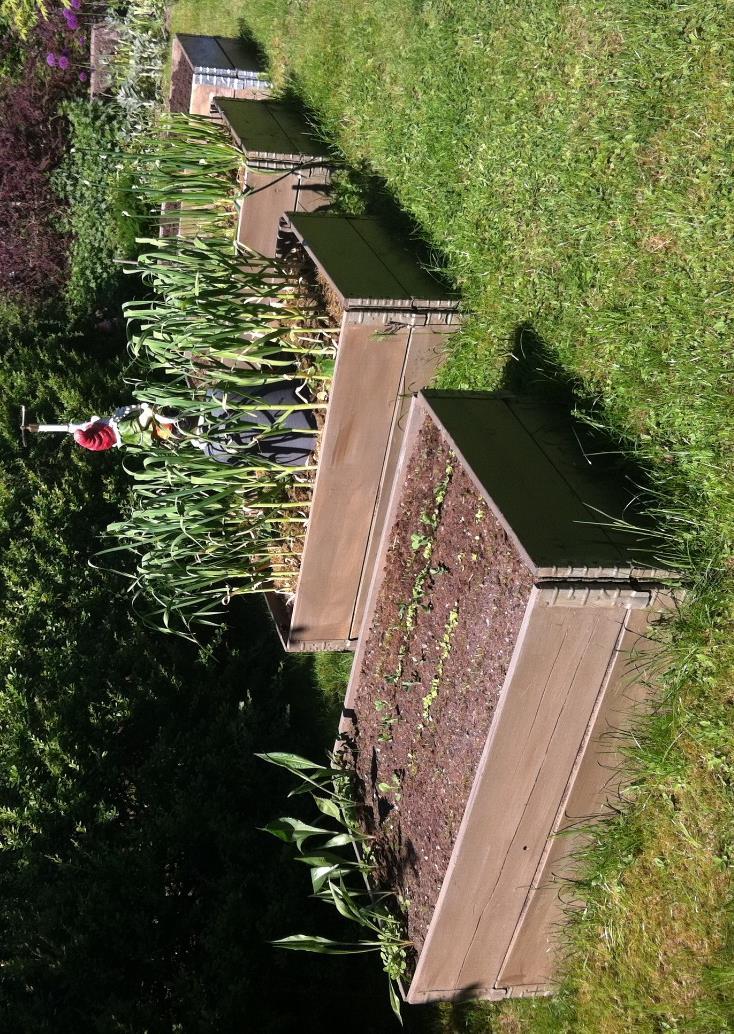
[442,636]
[182,78]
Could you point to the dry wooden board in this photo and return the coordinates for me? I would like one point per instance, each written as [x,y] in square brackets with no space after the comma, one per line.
[242,56]
[203,51]
[220,53]
[364,423]
[368,368]
[593,788]
[426,351]
[546,491]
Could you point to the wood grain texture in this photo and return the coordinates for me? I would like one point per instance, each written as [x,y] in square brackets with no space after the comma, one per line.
[560,662]
[355,440]
[270,127]
[362,260]
[593,788]
[260,213]
[426,350]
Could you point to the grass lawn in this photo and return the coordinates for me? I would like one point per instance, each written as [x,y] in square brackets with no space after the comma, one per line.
[571,163]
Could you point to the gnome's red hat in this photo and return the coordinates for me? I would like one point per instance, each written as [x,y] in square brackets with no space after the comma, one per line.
[97,436]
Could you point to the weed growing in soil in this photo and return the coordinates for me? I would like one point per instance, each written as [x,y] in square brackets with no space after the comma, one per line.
[386,722]
[342,881]
[392,788]
[425,543]
[444,651]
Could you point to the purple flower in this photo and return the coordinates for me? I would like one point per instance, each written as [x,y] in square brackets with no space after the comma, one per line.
[76,4]
[51,59]
[71,19]
[63,62]
[83,77]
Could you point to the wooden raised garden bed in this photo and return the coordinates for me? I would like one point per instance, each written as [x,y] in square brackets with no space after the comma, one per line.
[501,661]
[394,322]
[286,168]
[205,67]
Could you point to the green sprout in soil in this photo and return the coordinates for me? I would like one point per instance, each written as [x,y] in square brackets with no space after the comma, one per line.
[445,649]
[392,788]
[386,722]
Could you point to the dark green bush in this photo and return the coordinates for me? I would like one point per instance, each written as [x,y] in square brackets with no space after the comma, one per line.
[94,183]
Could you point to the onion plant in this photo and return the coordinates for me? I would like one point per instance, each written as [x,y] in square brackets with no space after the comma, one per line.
[341,880]
[186,173]
[220,328]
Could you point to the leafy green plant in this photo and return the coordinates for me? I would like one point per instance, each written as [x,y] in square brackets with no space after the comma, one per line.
[136,65]
[341,881]
[222,326]
[429,699]
[98,214]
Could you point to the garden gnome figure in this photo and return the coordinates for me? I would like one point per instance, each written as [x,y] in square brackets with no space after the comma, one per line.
[224,433]
[129,425]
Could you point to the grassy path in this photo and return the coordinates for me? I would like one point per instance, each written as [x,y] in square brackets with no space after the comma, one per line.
[572,163]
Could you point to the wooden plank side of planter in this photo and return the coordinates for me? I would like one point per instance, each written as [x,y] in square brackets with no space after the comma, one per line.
[241,55]
[355,438]
[594,782]
[525,458]
[426,351]
[260,215]
[203,95]
[270,127]
[364,264]
[204,51]
[262,212]
[558,667]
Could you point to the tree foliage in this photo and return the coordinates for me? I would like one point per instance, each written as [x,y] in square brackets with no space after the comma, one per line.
[136,892]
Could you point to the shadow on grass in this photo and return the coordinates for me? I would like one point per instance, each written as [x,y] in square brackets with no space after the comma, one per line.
[534,373]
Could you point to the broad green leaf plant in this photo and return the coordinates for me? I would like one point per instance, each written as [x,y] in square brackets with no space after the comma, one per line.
[343,880]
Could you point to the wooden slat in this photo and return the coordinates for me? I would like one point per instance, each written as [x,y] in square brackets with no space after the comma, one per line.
[543,513]
[426,351]
[416,416]
[560,663]
[241,55]
[593,784]
[266,127]
[260,214]
[417,281]
[353,450]
[569,447]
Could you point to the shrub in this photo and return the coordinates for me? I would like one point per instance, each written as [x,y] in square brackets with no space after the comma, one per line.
[94,183]
[32,142]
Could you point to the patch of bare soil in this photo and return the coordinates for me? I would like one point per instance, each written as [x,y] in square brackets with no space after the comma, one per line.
[447,618]
[182,78]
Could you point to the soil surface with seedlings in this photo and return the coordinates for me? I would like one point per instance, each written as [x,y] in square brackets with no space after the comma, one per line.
[447,617]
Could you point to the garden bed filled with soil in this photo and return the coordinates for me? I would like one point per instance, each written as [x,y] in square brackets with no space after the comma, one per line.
[394,321]
[453,598]
[501,660]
